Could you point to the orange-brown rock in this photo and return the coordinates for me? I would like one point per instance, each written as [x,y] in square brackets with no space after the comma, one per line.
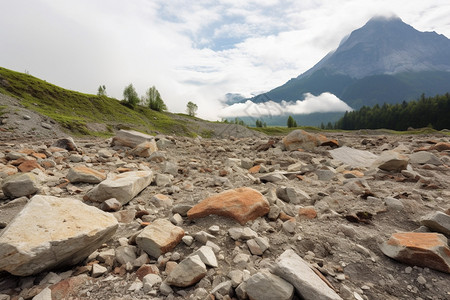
[145,270]
[424,249]
[285,217]
[85,174]
[254,169]
[69,288]
[324,141]
[442,146]
[242,204]
[7,170]
[29,165]
[38,155]
[307,212]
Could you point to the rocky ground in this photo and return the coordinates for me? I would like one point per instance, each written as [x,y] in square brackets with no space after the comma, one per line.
[254,211]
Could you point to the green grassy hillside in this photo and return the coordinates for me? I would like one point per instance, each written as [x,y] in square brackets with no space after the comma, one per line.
[73,110]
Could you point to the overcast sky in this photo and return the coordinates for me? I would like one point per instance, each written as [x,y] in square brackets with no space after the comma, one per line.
[190,50]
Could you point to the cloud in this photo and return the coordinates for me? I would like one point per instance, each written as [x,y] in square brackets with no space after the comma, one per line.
[190,50]
[325,102]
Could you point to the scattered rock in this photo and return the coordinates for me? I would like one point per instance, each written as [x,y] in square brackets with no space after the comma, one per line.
[145,149]
[353,157]
[85,174]
[66,143]
[424,157]
[437,221]
[419,249]
[300,139]
[131,138]
[18,185]
[159,237]
[296,271]
[266,286]
[123,187]
[188,272]
[392,161]
[242,204]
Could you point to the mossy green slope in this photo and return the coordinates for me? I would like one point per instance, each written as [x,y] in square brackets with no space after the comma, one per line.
[73,110]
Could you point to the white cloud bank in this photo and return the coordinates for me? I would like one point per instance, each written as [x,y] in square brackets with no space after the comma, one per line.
[325,102]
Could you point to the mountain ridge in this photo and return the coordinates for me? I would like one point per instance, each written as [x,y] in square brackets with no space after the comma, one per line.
[404,57]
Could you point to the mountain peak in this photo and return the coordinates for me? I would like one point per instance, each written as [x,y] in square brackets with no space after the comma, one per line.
[386,45]
[384,19]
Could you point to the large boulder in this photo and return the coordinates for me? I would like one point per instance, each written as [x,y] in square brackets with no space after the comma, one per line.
[295,270]
[423,249]
[123,187]
[242,204]
[300,139]
[131,138]
[21,184]
[53,232]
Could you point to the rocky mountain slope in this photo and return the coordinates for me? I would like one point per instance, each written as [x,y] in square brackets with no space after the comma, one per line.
[386,60]
[165,217]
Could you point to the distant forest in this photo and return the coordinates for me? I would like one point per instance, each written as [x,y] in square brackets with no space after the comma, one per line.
[424,112]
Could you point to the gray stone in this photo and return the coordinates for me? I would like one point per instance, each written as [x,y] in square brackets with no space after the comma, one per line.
[130,138]
[392,161]
[53,232]
[394,204]
[242,233]
[151,280]
[9,211]
[21,184]
[163,180]
[272,177]
[46,125]
[125,254]
[295,270]
[45,294]
[123,187]
[65,143]
[111,205]
[325,173]
[424,157]
[164,143]
[159,237]
[266,286]
[170,168]
[85,174]
[203,236]
[437,221]
[353,157]
[188,272]
[300,139]
[222,289]
[207,256]
[292,195]
[98,270]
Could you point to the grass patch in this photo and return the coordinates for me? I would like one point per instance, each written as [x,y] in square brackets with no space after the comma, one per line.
[72,110]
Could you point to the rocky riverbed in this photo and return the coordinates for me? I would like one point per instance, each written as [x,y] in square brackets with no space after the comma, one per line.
[347,216]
